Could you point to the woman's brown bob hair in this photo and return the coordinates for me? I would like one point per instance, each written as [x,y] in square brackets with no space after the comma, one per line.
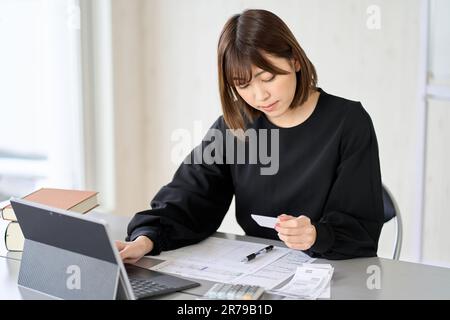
[244,39]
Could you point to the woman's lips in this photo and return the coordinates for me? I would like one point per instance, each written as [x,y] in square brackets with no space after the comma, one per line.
[270,107]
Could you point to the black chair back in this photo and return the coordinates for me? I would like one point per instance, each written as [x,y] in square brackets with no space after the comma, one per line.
[389,208]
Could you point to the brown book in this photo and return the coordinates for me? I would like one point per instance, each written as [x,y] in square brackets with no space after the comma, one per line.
[73,200]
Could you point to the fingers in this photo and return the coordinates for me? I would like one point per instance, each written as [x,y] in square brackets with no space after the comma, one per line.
[130,252]
[296,233]
[292,222]
[303,242]
[128,255]
[123,254]
[285,217]
[120,245]
[125,250]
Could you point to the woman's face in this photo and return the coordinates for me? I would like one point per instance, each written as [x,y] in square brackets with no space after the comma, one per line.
[269,93]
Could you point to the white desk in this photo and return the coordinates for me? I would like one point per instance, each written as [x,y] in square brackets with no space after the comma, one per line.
[399,280]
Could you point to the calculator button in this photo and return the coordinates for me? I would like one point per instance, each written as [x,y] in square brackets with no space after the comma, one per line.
[224,291]
[234,292]
[231,294]
[241,292]
[214,291]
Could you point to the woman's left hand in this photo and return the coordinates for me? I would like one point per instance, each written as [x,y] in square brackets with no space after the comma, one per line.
[296,232]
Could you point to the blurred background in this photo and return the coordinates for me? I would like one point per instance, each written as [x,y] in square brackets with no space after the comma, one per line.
[92,91]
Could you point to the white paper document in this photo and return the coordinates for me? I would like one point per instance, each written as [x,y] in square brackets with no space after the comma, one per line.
[278,271]
[326,294]
[217,259]
[264,221]
[311,281]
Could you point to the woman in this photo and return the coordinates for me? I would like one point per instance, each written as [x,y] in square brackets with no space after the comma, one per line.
[326,188]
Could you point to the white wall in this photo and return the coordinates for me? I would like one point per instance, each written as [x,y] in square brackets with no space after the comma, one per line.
[129,112]
[437,218]
[166,79]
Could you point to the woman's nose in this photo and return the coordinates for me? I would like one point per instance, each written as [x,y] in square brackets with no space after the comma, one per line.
[261,94]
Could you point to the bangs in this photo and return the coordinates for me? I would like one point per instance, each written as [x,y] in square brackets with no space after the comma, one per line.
[238,67]
[239,62]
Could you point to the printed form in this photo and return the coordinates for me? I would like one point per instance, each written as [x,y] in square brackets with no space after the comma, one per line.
[219,260]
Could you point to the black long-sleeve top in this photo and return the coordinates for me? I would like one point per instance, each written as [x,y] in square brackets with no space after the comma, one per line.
[328,170]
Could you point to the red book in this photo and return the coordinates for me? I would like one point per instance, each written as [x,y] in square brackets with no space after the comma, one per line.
[72,200]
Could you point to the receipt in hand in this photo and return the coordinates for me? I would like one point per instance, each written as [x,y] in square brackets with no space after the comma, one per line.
[264,221]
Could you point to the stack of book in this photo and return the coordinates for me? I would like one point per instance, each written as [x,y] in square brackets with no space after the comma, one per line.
[72,200]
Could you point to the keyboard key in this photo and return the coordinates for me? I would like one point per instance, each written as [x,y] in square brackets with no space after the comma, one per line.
[146,288]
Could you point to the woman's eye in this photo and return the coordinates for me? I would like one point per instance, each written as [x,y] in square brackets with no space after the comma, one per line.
[243,86]
[270,79]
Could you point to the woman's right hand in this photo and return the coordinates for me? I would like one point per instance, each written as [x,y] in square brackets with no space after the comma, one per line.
[132,251]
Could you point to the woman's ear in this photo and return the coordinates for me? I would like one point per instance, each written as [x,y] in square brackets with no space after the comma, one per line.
[295,64]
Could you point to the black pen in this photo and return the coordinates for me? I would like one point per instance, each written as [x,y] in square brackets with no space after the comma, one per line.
[257,253]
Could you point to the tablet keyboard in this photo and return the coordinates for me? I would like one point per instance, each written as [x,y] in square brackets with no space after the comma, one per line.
[148,283]
[144,288]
